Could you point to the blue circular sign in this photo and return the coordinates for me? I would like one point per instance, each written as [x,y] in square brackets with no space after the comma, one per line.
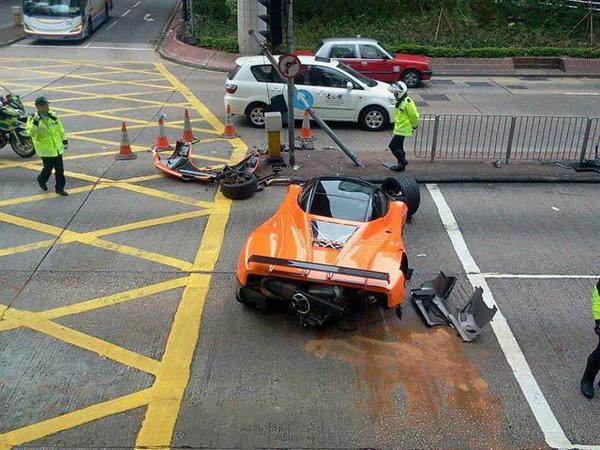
[303,99]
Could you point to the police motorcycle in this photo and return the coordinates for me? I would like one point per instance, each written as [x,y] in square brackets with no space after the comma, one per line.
[13,123]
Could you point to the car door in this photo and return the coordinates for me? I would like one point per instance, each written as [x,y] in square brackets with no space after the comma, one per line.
[376,63]
[333,100]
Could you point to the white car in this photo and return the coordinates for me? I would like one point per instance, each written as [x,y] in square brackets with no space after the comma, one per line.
[340,93]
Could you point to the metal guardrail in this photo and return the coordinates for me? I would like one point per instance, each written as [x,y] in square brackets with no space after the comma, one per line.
[501,137]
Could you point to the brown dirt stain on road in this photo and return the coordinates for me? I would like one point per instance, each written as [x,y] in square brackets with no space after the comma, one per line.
[440,387]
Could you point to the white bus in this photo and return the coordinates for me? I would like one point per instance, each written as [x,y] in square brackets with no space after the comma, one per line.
[64,19]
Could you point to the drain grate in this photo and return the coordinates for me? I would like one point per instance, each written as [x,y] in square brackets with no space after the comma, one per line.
[478,84]
[435,97]
[516,86]
[441,82]
[533,78]
[421,103]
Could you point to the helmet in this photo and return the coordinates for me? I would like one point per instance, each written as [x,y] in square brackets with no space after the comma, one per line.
[41,101]
[398,88]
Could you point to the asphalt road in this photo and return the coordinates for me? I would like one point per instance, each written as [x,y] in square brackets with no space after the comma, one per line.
[119,326]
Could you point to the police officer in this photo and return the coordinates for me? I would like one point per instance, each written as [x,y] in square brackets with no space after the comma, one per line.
[593,362]
[49,141]
[406,119]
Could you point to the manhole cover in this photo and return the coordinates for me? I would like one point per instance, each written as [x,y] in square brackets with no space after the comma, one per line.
[435,97]
[533,78]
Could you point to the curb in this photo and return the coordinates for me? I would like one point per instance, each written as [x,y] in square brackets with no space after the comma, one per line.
[13,41]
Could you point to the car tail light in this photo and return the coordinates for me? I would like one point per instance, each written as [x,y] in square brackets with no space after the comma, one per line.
[230,88]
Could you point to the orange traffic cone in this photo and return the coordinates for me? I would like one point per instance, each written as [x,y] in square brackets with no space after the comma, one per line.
[125,150]
[305,137]
[162,141]
[188,134]
[229,131]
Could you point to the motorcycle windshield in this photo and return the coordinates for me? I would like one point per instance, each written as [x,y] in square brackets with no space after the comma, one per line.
[53,8]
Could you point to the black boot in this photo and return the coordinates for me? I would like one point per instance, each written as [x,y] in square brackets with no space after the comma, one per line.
[587,388]
[587,381]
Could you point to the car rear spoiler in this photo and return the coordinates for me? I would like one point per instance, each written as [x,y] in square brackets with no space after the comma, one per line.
[282,262]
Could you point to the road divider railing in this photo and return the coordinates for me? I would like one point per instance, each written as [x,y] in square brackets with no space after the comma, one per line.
[505,137]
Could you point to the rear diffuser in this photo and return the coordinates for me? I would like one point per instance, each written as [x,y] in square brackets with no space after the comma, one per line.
[432,301]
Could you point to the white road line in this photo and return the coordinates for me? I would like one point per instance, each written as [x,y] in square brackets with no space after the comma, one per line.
[126,12]
[136,5]
[539,276]
[581,93]
[553,433]
[111,25]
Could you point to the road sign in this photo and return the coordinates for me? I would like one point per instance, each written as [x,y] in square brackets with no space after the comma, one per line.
[303,99]
[289,66]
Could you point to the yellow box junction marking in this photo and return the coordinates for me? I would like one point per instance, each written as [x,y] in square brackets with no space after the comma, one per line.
[163,398]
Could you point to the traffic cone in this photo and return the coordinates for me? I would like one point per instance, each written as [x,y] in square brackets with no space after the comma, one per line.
[162,141]
[305,137]
[125,150]
[188,134]
[229,131]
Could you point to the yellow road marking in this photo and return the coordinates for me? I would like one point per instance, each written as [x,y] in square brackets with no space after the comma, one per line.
[115,299]
[173,375]
[173,371]
[25,248]
[101,302]
[74,418]
[77,338]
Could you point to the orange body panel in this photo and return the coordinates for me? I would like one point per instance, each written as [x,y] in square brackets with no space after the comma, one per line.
[374,246]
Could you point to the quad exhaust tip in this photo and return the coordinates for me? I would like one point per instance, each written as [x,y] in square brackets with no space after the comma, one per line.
[432,301]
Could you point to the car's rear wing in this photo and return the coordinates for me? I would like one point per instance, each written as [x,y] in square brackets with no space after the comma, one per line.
[282,262]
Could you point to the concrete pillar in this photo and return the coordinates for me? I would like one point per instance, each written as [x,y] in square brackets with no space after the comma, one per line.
[247,19]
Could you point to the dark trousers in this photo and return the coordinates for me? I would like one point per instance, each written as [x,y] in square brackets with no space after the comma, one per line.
[593,364]
[56,163]
[397,147]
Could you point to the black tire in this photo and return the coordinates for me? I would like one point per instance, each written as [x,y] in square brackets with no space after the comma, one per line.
[255,114]
[240,191]
[24,148]
[406,186]
[373,118]
[411,77]
[90,28]
[410,189]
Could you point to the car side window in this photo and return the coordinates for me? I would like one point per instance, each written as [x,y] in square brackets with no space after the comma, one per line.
[343,51]
[266,74]
[371,52]
[327,77]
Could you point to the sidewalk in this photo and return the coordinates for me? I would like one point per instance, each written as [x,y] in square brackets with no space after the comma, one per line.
[175,50]
[311,164]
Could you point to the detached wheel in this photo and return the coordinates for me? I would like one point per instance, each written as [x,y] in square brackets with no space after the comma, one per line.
[406,186]
[411,77]
[239,187]
[255,114]
[373,118]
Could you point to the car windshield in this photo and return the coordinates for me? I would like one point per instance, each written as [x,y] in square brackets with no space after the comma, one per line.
[342,199]
[359,76]
[54,8]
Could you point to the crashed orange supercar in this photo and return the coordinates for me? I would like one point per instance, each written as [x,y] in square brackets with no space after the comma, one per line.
[333,246]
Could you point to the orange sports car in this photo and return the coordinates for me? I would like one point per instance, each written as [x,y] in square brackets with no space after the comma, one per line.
[333,246]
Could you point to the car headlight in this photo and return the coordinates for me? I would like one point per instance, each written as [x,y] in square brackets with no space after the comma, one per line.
[76,28]
[27,27]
